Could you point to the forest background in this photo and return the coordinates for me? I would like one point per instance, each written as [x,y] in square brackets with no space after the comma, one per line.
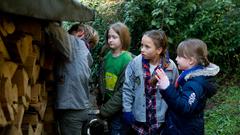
[217,22]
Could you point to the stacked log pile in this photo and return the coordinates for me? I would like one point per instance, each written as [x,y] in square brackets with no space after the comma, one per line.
[25,74]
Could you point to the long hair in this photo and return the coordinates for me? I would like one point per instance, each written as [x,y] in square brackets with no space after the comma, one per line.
[122,30]
[159,39]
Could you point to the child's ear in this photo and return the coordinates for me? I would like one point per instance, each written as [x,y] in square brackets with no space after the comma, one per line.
[192,61]
[159,50]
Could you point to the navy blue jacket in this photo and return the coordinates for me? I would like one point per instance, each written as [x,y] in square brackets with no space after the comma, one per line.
[185,115]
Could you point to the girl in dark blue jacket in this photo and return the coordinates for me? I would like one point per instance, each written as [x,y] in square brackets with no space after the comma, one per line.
[187,99]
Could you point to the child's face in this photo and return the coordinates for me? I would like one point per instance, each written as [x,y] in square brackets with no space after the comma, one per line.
[185,63]
[114,41]
[148,49]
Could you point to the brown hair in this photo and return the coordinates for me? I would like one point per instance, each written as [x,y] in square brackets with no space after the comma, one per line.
[195,48]
[159,39]
[75,27]
[122,30]
[90,34]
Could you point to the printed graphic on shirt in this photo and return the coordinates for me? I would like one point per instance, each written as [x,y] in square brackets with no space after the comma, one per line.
[110,80]
[192,98]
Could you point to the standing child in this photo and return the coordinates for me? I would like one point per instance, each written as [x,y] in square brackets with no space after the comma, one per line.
[187,100]
[114,63]
[143,106]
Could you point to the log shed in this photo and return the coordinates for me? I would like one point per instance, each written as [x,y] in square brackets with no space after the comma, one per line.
[26,63]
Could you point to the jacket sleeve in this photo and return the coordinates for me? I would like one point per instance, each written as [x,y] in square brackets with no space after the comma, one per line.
[128,88]
[114,104]
[186,101]
[60,38]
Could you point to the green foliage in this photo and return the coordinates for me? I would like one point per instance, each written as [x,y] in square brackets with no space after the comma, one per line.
[137,16]
[223,117]
[214,21]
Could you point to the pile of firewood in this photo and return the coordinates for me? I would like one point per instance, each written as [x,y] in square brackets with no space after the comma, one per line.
[25,72]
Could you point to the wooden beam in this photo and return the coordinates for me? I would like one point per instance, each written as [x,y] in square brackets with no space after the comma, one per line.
[8,68]
[19,45]
[27,129]
[28,93]
[5,89]
[40,107]
[36,49]
[25,47]
[8,25]
[30,62]
[3,121]
[14,97]
[32,27]
[8,94]
[3,50]
[3,32]
[20,78]
[12,130]
[31,67]
[19,117]
[30,118]
[39,129]
[49,114]
[22,100]
[35,93]
[8,112]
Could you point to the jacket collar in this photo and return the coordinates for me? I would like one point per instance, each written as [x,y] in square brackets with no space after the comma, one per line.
[210,70]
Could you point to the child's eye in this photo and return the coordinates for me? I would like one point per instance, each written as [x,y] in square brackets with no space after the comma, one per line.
[146,46]
[114,37]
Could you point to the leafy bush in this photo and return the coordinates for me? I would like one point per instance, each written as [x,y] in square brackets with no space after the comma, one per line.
[214,21]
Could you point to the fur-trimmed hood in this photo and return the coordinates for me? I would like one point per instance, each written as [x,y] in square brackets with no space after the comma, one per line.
[205,76]
[210,70]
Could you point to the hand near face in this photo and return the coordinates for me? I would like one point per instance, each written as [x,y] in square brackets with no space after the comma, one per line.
[163,81]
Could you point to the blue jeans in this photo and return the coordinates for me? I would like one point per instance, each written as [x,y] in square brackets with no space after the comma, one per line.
[117,126]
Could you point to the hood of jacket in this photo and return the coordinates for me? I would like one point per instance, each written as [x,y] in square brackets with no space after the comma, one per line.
[205,76]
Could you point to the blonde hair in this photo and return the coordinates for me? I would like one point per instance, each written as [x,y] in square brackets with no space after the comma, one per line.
[195,48]
[122,30]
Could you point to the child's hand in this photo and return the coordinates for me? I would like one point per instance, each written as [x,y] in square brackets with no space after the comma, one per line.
[163,81]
